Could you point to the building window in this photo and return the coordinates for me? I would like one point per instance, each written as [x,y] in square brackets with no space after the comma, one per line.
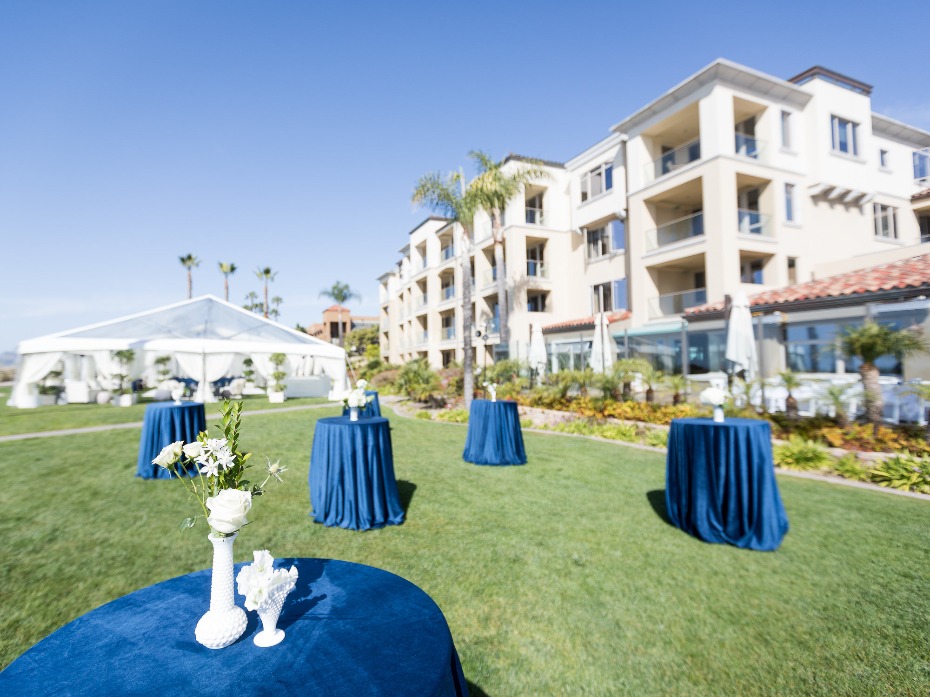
[786,130]
[792,271]
[883,159]
[885,220]
[534,210]
[789,203]
[922,164]
[923,221]
[621,300]
[598,181]
[617,235]
[845,136]
[751,271]
[598,242]
[536,302]
[602,297]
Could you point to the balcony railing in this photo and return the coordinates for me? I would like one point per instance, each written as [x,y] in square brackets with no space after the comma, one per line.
[447,293]
[422,301]
[754,223]
[534,216]
[489,277]
[748,146]
[417,267]
[537,269]
[675,231]
[674,159]
[447,253]
[675,303]
[422,338]
[448,333]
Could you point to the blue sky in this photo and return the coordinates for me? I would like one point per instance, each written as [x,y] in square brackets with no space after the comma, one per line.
[290,134]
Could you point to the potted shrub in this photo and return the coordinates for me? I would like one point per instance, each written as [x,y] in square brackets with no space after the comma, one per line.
[276,390]
[161,365]
[49,389]
[124,394]
[248,373]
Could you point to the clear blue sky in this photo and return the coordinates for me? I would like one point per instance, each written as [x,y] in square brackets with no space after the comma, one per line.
[290,134]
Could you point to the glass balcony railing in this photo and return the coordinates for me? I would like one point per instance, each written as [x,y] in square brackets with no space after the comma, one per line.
[536,269]
[748,146]
[494,326]
[754,223]
[422,338]
[674,159]
[447,293]
[447,253]
[534,216]
[676,303]
[489,277]
[422,301]
[448,333]
[675,231]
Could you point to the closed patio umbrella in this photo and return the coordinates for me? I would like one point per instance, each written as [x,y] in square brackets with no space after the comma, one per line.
[537,358]
[741,341]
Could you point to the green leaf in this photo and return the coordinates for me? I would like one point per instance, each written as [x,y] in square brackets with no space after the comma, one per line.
[188,523]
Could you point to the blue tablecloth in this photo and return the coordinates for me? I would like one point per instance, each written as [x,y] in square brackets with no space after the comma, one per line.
[720,483]
[373,408]
[164,423]
[494,434]
[351,630]
[351,476]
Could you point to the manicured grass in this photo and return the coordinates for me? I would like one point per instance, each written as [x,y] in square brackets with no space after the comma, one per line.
[14,421]
[557,578]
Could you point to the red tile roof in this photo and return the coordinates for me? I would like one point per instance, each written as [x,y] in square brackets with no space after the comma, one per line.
[337,308]
[921,195]
[584,322]
[911,273]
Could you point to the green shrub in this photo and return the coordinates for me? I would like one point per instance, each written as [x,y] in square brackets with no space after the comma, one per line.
[423,416]
[417,380]
[850,467]
[503,372]
[905,471]
[657,438]
[624,432]
[801,454]
[527,423]
[453,416]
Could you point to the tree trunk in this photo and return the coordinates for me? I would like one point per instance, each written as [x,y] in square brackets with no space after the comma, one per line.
[676,398]
[627,391]
[791,407]
[266,298]
[650,394]
[468,365]
[190,285]
[501,279]
[226,287]
[339,327]
[873,393]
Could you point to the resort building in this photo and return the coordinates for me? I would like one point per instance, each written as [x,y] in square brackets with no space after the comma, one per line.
[731,180]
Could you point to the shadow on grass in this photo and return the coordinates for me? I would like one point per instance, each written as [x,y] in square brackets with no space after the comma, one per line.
[474,690]
[657,501]
[405,491]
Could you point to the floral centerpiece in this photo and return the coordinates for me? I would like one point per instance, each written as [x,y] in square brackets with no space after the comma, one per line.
[356,399]
[715,397]
[225,497]
[265,588]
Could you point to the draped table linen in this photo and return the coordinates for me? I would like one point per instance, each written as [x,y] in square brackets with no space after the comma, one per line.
[351,478]
[494,434]
[373,408]
[165,423]
[351,630]
[720,483]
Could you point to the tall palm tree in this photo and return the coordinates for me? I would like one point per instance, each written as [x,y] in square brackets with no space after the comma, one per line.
[226,269]
[189,261]
[450,197]
[790,380]
[868,342]
[495,189]
[266,275]
[340,293]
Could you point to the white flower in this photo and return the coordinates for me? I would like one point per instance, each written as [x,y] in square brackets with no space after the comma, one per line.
[193,450]
[275,469]
[353,399]
[209,465]
[362,384]
[228,510]
[714,396]
[169,455]
[225,457]
[212,445]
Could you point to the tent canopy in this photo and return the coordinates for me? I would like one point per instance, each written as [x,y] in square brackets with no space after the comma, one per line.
[205,325]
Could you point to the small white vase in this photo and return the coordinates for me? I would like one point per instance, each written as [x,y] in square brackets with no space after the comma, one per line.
[353,413]
[718,415]
[225,621]
[269,614]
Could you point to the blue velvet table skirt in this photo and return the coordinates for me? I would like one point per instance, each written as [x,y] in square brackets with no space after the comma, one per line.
[351,476]
[494,434]
[373,408]
[165,423]
[350,630]
[720,483]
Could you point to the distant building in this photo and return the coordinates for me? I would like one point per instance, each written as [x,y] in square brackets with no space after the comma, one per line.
[328,329]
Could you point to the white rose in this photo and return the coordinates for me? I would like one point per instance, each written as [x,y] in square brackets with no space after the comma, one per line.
[169,455]
[713,396]
[353,399]
[362,384]
[193,450]
[228,510]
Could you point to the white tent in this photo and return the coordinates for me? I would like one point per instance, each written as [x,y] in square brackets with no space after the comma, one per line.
[207,338]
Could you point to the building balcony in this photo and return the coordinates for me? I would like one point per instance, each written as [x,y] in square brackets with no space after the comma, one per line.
[489,277]
[537,269]
[446,253]
[674,159]
[422,338]
[671,304]
[748,146]
[675,231]
[422,305]
[448,334]
[535,216]
[754,223]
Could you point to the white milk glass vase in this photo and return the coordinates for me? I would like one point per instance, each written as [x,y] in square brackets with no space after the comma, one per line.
[225,621]
[718,415]
[353,413]
[268,613]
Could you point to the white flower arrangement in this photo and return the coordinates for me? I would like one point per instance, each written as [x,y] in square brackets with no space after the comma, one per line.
[219,485]
[714,396]
[492,388]
[262,584]
[357,397]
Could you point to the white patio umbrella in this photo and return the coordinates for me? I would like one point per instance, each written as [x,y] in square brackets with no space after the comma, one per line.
[602,354]
[741,341]
[537,358]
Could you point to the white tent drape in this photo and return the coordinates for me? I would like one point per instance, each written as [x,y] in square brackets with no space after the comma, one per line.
[205,368]
[33,367]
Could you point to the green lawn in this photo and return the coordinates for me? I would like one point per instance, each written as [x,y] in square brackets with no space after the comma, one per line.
[557,578]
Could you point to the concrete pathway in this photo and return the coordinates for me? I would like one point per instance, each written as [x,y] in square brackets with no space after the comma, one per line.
[138,424]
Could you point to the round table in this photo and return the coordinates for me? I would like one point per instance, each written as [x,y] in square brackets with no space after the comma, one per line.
[351,630]
[351,476]
[494,434]
[720,483]
[373,408]
[165,423]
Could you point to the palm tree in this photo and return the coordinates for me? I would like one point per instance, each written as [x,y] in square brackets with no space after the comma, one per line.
[627,369]
[652,377]
[836,395]
[868,342]
[450,197]
[226,269]
[679,385]
[340,293]
[790,381]
[266,275]
[495,189]
[189,261]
